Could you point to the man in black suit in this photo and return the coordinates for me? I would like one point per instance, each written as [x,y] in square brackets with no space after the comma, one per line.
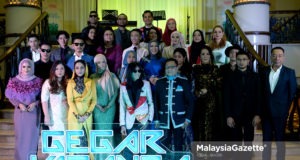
[279,84]
[43,66]
[148,19]
[32,53]
[242,102]
[173,105]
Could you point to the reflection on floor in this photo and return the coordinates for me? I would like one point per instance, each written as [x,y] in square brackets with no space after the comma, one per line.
[292,146]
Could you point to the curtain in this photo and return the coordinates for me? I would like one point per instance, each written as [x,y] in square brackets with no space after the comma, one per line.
[73,14]
[177,9]
[76,13]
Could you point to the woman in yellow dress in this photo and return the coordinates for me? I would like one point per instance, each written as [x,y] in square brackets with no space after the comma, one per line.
[82,98]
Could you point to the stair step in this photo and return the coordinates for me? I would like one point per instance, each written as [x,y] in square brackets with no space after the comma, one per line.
[7,136]
[6,124]
[7,157]
[7,113]
[7,145]
[7,149]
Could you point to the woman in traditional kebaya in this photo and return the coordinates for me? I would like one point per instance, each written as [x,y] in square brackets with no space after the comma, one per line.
[82,98]
[153,64]
[169,29]
[177,41]
[111,50]
[23,91]
[54,100]
[107,86]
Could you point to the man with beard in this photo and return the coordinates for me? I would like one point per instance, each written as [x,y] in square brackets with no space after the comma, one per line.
[122,34]
[242,103]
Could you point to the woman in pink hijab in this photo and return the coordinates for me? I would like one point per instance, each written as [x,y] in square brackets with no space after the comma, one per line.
[23,91]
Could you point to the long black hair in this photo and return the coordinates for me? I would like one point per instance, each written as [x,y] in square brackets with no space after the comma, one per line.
[186,68]
[196,47]
[212,58]
[102,44]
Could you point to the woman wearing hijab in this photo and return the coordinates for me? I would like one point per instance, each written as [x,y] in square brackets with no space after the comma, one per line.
[130,57]
[196,46]
[23,91]
[82,98]
[136,104]
[153,64]
[177,41]
[107,86]
[169,29]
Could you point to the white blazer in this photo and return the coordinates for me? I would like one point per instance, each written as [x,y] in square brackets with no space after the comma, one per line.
[144,110]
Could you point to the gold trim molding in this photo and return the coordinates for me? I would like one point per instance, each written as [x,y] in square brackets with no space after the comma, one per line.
[24,3]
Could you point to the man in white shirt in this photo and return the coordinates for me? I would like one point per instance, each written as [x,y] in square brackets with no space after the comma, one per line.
[279,89]
[148,20]
[78,46]
[135,37]
[32,53]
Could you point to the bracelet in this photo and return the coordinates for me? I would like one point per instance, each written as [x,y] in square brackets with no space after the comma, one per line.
[76,115]
[87,113]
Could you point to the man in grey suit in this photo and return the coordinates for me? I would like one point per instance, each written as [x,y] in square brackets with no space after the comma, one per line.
[279,91]
[122,34]
[64,52]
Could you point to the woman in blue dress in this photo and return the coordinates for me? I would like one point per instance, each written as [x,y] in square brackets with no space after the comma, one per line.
[153,64]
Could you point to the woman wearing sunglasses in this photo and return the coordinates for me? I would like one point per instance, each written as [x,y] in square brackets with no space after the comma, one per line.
[136,105]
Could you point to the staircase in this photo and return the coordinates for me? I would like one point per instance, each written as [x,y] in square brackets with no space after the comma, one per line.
[7,134]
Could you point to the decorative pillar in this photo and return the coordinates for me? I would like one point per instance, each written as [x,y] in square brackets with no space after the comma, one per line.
[253,18]
[20,14]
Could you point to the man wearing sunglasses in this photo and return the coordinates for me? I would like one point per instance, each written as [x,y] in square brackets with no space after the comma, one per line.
[42,67]
[78,45]
[93,21]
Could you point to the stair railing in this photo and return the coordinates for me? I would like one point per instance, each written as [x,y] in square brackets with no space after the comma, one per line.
[284,26]
[13,53]
[235,35]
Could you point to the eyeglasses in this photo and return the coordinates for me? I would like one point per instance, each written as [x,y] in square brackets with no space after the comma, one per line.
[95,16]
[138,70]
[170,67]
[46,50]
[81,44]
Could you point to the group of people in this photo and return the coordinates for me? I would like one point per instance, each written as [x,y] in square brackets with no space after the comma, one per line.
[207,89]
